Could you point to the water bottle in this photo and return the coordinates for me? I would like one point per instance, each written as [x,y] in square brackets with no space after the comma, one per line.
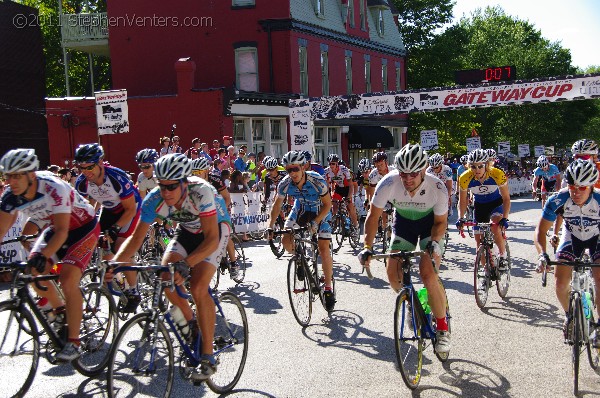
[586,298]
[347,223]
[424,300]
[180,321]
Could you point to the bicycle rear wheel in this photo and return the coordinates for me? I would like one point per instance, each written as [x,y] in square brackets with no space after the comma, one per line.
[141,362]
[503,281]
[299,291]
[576,337]
[409,342]
[481,273]
[230,344]
[240,259]
[593,353]
[339,232]
[19,349]
[99,328]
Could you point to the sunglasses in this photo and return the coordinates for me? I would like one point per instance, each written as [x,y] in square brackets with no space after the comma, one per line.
[477,167]
[175,140]
[169,187]
[292,169]
[13,176]
[577,188]
[411,175]
[87,168]
[145,167]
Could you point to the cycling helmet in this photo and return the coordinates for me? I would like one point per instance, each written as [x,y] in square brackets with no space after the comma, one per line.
[364,165]
[174,166]
[342,163]
[542,161]
[379,156]
[19,160]
[464,159]
[270,163]
[491,154]
[307,155]
[89,153]
[201,164]
[581,173]
[436,160]
[333,158]
[295,157]
[147,155]
[411,158]
[585,147]
[478,156]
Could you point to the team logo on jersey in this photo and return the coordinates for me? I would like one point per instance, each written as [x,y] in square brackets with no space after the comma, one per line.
[422,192]
[439,185]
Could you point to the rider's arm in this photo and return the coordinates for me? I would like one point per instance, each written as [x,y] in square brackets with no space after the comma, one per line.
[505,200]
[210,229]
[558,181]
[6,221]
[449,187]
[129,211]
[371,224]
[539,238]
[440,224]
[60,225]
[225,194]
[462,203]
[133,243]
[534,183]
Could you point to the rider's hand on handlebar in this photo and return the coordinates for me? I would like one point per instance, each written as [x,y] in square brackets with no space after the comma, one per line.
[269,233]
[543,261]
[183,269]
[433,247]
[365,255]
[554,240]
[503,223]
[38,262]
[460,223]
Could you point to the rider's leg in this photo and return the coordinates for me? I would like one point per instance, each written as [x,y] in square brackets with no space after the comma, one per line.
[70,278]
[201,275]
[562,276]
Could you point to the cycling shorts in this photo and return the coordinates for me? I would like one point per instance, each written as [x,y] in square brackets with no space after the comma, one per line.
[407,233]
[548,186]
[571,248]
[341,192]
[109,218]
[483,212]
[295,221]
[184,242]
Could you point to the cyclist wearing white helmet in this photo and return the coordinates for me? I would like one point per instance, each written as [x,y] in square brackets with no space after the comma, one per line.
[340,183]
[420,202]
[380,169]
[312,207]
[587,150]
[68,238]
[491,199]
[274,174]
[463,166]
[438,169]
[549,174]
[146,180]
[493,157]
[579,206]
[196,248]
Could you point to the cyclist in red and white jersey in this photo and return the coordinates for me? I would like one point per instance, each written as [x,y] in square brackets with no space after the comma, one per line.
[340,182]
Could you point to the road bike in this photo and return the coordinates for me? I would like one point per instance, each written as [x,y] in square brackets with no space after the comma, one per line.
[342,228]
[414,330]
[20,343]
[304,278]
[486,268]
[225,264]
[581,322]
[142,360]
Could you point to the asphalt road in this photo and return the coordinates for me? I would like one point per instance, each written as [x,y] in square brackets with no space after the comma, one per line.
[513,348]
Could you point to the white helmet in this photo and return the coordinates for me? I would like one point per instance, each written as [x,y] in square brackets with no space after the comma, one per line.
[175,166]
[201,163]
[436,160]
[294,157]
[584,147]
[270,163]
[491,154]
[542,162]
[410,158]
[364,165]
[464,158]
[478,156]
[581,173]
[19,160]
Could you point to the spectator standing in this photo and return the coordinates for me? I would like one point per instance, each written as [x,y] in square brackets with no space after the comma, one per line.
[227,142]
[226,177]
[175,145]
[251,167]
[204,153]
[165,149]
[214,151]
[239,163]
[231,156]
[195,147]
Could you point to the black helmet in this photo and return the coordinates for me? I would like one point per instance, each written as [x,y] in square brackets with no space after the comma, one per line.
[89,153]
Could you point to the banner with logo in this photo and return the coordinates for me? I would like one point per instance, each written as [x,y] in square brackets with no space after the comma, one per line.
[523,150]
[112,114]
[300,127]
[429,140]
[246,215]
[538,150]
[503,148]
[549,150]
[473,143]
[12,252]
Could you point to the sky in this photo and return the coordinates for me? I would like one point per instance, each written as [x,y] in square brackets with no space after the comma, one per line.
[574,23]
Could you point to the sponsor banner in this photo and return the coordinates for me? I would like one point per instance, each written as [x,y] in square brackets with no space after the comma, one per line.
[538,150]
[503,148]
[473,143]
[549,150]
[12,252]
[429,140]
[112,114]
[300,126]
[523,150]
[245,212]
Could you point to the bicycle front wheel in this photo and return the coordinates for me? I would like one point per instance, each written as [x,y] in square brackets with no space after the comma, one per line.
[19,349]
[230,344]
[503,281]
[299,291]
[481,282]
[141,363]
[593,353]
[576,336]
[276,243]
[408,339]
[240,258]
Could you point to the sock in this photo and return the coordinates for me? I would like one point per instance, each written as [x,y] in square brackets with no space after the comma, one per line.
[77,342]
[209,357]
[442,324]
[328,288]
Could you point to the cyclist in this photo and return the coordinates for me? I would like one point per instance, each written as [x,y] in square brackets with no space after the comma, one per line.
[587,150]
[493,157]
[421,205]
[362,179]
[549,174]
[273,175]
[70,234]
[312,207]
[312,166]
[490,196]
[146,180]
[463,166]
[578,206]
[381,168]
[199,242]
[438,169]
[111,189]
[340,182]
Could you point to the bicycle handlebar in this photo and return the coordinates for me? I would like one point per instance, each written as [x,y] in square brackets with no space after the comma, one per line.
[28,278]
[576,263]
[21,238]
[401,254]
[121,267]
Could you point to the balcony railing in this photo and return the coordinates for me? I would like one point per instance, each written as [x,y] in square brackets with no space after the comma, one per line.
[84,27]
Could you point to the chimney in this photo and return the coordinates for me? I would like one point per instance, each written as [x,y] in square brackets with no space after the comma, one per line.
[185,69]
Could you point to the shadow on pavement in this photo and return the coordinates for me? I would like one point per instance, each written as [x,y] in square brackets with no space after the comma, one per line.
[248,293]
[526,310]
[474,379]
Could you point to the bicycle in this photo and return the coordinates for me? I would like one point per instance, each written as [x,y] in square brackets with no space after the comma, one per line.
[225,265]
[412,326]
[275,243]
[143,361]
[305,283]
[486,268]
[342,228]
[581,314]
[20,338]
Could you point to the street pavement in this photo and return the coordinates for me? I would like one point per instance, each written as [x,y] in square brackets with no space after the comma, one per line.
[512,348]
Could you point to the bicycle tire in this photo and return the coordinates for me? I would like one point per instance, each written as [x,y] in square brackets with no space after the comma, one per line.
[133,338]
[99,315]
[593,353]
[408,338]
[340,233]
[446,240]
[481,272]
[240,259]
[354,237]
[577,341]
[276,244]
[299,291]
[545,276]
[19,339]
[231,344]
[503,281]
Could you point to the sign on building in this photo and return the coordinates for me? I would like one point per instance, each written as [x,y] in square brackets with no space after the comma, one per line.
[300,127]
[429,140]
[524,150]
[112,113]
[473,143]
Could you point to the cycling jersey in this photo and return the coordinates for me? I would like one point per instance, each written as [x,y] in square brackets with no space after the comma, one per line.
[581,222]
[116,187]
[145,184]
[548,175]
[461,169]
[375,177]
[216,182]
[317,168]
[444,174]
[222,210]
[486,191]
[341,178]
[272,182]
[264,172]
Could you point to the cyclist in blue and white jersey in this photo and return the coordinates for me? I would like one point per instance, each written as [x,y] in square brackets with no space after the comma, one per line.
[146,180]
[550,175]
[438,169]
[420,202]
[111,189]
[579,207]
[312,207]
[203,228]
[462,167]
[493,157]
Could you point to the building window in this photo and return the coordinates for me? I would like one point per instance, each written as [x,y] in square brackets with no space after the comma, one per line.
[241,3]
[398,80]
[367,75]
[239,130]
[380,25]
[278,144]
[384,78]
[351,13]
[246,67]
[348,75]
[276,130]
[319,7]
[258,129]
[303,70]
[324,73]
[363,18]
[326,142]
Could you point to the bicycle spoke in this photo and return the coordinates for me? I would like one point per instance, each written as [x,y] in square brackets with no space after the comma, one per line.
[409,341]
[299,292]
[481,278]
